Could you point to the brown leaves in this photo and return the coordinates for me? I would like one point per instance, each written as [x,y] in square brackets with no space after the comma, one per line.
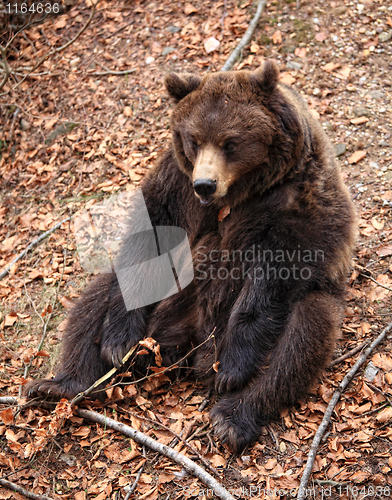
[277,37]
[357,156]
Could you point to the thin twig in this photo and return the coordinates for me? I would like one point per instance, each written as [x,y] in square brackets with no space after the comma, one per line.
[107,72]
[31,245]
[22,491]
[377,283]
[347,355]
[246,38]
[100,381]
[190,466]
[330,408]
[133,487]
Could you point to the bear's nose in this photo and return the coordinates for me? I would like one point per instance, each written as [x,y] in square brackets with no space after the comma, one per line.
[204,187]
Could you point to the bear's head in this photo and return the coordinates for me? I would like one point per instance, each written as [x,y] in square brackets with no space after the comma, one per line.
[234,133]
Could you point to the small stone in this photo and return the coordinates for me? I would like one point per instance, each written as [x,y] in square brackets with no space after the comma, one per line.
[294,65]
[383,143]
[340,149]
[361,112]
[388,176]
[360,8]
[150,59]
[24,124]
[338,11]
[384,37]
[74,62]
[167,50]
[211,44]
[173,29]
[370,372]
[375,94]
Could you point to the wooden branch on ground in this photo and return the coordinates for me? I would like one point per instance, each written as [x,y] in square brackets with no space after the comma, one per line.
[141,438]
[330,408]
[22,491]
[31,245]
[246,38]
[184,441]
[190,466]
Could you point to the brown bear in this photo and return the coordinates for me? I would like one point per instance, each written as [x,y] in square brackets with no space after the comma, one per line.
[251,178]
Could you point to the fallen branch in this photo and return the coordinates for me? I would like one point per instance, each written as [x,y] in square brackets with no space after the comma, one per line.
[246,38]
[180,438]
[330,408]
[32,244]
[22,491]
[8,400]
[190,466]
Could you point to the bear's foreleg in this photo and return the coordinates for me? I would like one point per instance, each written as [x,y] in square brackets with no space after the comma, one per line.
[300,354]
[252,331]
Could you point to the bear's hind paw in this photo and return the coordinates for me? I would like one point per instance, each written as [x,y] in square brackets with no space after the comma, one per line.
[231,430]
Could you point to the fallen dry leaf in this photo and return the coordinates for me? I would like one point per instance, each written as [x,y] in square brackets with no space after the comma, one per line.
[377,224]
[277,37]
[359,120]
[382,361]
[189,9]
[357,156]
[384,416]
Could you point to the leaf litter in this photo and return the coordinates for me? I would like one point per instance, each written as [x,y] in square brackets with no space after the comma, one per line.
[337,59]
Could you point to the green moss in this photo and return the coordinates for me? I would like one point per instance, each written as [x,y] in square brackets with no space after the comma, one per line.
[303,30]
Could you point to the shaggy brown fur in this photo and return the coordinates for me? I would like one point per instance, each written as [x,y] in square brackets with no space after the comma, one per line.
[270,278]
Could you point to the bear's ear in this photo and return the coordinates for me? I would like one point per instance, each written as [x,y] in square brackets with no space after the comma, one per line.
[266,78]
[179,86]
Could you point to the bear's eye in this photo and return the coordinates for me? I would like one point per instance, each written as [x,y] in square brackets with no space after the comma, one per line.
[229,147]
[194,145]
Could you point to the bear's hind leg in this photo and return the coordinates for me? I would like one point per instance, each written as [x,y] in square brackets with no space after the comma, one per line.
[302,351]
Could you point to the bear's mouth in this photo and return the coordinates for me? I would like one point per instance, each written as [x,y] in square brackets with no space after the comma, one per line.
[205,201]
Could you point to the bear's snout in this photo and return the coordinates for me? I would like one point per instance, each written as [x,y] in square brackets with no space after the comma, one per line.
[205,188]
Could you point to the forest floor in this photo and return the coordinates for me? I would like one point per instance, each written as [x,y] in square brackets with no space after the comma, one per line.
[79,130]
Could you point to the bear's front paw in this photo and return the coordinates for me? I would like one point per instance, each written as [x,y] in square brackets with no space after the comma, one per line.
[234,425]
[231,377]
[52,389]
[114,354]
